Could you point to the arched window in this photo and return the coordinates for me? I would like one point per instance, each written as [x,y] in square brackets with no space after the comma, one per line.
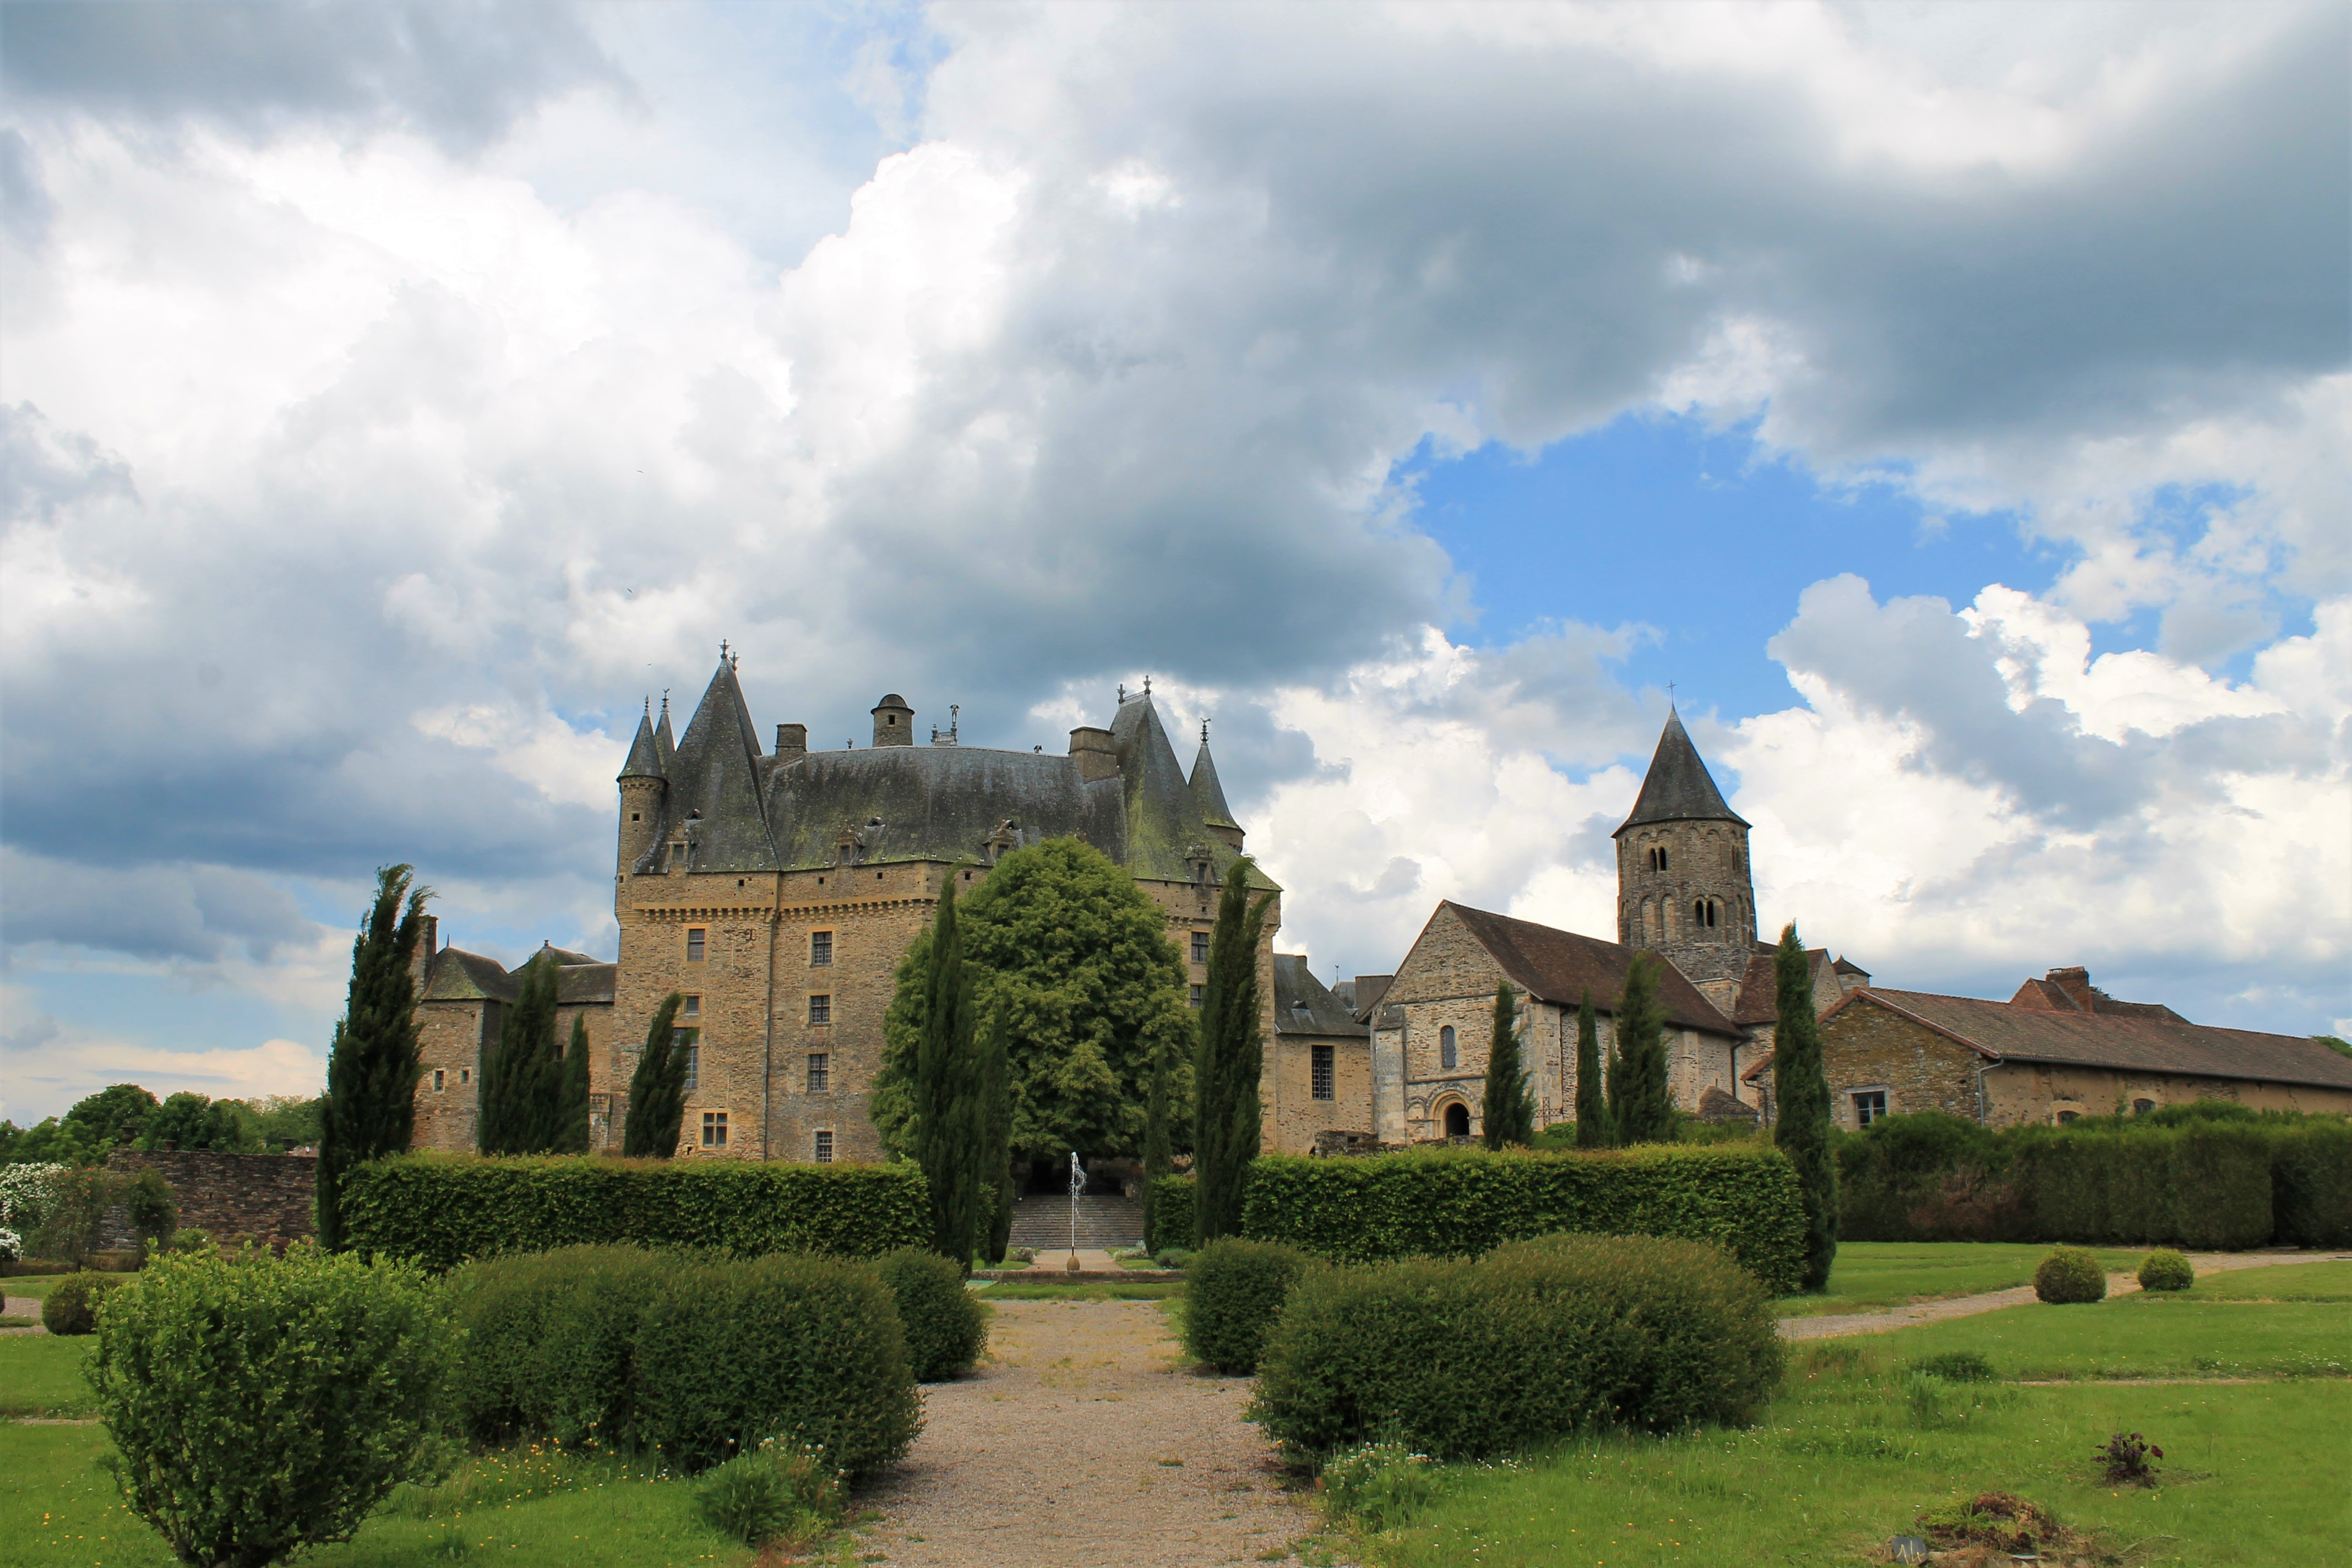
[1449,1054]
[1457,1121]
[1658,859]
[2142,1107]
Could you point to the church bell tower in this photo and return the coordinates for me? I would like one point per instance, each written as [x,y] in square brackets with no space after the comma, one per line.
[1684,886]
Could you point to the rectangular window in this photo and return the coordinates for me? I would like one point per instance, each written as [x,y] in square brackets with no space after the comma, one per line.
[440,1079]
[689,1006]
[820,948]
[1869,1106]
[1197,990]
[694,942]
[688,1040]
[1200,947]
[714,1130]
[824,1146]
[465,1075]
[1319,1075]
[820,1010]
[820,1071]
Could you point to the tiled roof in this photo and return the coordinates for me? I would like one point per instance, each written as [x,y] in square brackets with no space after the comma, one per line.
[1305,1005]
[456,976]
[1678,788]
[1758,1001]
[1208,794]
[2132,1042]
[1559,966]
[584,984]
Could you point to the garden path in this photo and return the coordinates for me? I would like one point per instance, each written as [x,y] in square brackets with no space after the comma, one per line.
[1083,1439]
[2119,1284]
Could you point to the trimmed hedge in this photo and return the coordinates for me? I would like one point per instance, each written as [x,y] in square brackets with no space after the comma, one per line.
[2070,1275]
[1456,1203]
[697,1357]
[71,1305]
[1461,1360]
[1234,1291]
[1172,1215]
[2165,1269]
[442,1209]
[942,1324]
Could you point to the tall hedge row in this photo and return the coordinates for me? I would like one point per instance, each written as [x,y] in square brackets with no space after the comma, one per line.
[1461,1202]
[1171,1214]
[696,1357]
[442,1209]
[2208,1178]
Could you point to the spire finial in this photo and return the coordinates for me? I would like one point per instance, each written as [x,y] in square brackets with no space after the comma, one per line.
[664,700]
[650,704]
[1122,691]
[1670,696]
[1204,731]
[1147,685]
[722,649]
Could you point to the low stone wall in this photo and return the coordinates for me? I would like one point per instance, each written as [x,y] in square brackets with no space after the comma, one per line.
[265,1197]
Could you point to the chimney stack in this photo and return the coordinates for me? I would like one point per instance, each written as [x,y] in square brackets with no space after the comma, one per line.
[1096,752]
[792,742]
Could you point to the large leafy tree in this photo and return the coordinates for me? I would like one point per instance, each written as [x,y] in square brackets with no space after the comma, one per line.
[522,1080]
[1592,1129]
[1229,1060]
[1802,1088]
[114,1117]
[1640,1109]
[656,1089]
[1507,1116]
[950,1094]
[373,1065]
[192,1122]
[1070,960]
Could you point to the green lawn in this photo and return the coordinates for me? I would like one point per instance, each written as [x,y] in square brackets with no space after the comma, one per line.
[2284,1282]
[2140,1336]
[1872,1275]
[40,1374]
[1040,1290]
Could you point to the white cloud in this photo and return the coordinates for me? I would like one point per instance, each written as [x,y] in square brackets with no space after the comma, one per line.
[50,1065]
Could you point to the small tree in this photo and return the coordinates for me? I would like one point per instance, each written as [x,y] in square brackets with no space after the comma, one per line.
[656,1089]
[522,1080]
[1640,1110]
[996,1146]
[951,1113]
[1508,1111]
[1802,1126]
[373,1065]
[1592,1129]
[1230,1060]
[1158,1160]
[572,1104]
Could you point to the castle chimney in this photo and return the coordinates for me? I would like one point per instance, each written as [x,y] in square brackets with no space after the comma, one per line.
[1095,751]
[792,742]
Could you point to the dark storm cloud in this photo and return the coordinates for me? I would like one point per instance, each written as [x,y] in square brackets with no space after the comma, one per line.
[157,912]
[460,71]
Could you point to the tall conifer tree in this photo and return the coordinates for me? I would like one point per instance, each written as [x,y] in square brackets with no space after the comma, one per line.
[1802,1089]
[1640,1110]
[1230,1057]
[996,1147]
[1507,1113]
[950,1115]
[1592,1128]
[1157,1159]
[370,1107]
[522,1080]
[656,1089]
[572,1104]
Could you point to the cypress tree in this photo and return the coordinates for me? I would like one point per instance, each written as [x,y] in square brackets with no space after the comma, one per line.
[995,1170]
[1801,1125]
[523,1081]
[1229,1061]
[1639,1110]
[571,1102]
[370,1107]
[950,1115]
[1157,1160]
[1508,1112]
[656,1089]
[1592,1127]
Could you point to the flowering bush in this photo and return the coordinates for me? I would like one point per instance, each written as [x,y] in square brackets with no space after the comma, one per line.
[12,1246]
[1378,1486]
[2125,1456]
[27,1192]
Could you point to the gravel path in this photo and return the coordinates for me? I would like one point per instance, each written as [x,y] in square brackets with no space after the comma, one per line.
[22,1307]
[1880,1322]
[1085,1439]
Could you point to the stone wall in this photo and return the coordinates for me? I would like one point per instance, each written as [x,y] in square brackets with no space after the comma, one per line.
[265,1197]
[449,1044]
[1871,1047]
[1298,1119]
[2040,1093]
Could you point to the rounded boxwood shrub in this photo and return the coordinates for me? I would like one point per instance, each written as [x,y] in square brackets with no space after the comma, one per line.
[1462,1360]
[1233,1290]
[550,1341]
[269,1405]
[72,1304]
[2070,1274]
[942,1324]
[2165,1269]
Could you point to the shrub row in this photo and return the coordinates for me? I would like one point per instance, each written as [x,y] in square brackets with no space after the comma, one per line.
[1172,1215]
[2206,1176]
[1461,1203]
[696,1358]
[942,1324]
[1461,1360]
[442,1209]
[1234,1291]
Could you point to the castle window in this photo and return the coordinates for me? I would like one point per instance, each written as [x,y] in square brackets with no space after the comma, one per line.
[1200,947]
[689,1006]
[714,1130]
[820,949]
[1706,913]
[1197,991]
[695,938]
[1869,1105]
[465,1075]
[2066,1116]
[636,816]
[820,1010]
[684,1040]
[1318,1074]
[440,1079]
[1658,859]
[1449,1050]
[820,1071]
[824,1145]
[1457,1121]
[2142,1107]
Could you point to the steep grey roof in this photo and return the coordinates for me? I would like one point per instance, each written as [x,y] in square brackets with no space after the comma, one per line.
[455,975]
[1305,1005]
[936,802]
[584,984]
[564,957]
[1163,819]
[1559,966]
[714,780]
[1678,788]
[644,754]
[665,742]
[1208,794]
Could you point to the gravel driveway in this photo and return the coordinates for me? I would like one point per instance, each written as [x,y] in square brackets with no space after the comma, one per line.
[1085,1439]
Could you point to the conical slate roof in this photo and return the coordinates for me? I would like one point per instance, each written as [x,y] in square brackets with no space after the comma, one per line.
[715,776]
[1678,787]
[1207,793]
[644,754]
[664,744]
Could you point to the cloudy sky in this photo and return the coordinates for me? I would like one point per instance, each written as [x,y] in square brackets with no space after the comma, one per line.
[1950,404]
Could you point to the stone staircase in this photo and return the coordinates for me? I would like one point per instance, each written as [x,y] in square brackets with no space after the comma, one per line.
[1044,1223]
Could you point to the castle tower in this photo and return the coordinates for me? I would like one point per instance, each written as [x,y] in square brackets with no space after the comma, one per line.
[894,721]
[1208,794]
[643,783]
[1684,886]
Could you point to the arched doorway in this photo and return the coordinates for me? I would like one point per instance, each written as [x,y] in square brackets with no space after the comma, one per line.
[1457,1121]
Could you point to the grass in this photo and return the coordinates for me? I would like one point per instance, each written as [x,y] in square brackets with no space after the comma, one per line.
[1869,1276]
[38,1286]
[2143,1336]
[2330,1281]
[40,1374]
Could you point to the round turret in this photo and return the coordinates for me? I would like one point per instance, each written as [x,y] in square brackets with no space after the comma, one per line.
[894,721]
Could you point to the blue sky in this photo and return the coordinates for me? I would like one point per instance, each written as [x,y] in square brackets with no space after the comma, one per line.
[1950,409]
